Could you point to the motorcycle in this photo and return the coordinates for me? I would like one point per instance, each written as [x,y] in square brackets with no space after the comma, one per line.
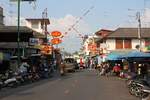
[8,80]
[139,86]
[142,89]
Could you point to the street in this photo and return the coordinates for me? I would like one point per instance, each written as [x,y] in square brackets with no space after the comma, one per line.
[82,85]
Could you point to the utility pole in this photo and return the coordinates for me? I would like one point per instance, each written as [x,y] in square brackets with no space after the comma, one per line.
[18,35]
[139,28]
[18,27]
[44,16]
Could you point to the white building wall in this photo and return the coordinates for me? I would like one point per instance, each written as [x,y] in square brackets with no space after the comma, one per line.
[111,44]
[137,42]
[29,24]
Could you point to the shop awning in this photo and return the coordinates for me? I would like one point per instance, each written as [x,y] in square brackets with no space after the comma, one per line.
[136,54]
[113,56]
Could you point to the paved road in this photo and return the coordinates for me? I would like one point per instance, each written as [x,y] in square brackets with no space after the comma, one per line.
[83,85]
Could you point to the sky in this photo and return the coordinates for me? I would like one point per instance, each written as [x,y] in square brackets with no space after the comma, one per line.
[102,14]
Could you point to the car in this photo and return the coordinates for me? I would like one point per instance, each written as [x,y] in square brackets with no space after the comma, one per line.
[70,65]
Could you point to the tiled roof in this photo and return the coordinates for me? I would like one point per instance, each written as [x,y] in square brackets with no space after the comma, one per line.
[39,19]
[129,33]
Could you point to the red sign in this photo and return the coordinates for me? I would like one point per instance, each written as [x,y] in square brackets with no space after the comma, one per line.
[46,49]
[56,41]
[56,34]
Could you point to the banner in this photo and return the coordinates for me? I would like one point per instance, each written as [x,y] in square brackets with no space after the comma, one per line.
[34,41]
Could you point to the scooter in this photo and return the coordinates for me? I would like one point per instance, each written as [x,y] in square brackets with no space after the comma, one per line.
[9,80]
[142,89]
[139,87]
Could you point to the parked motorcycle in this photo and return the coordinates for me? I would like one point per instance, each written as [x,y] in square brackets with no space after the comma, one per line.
[139,86]
[8,80]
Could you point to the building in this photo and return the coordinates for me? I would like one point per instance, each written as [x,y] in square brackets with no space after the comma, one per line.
[8,40]
[89,45]
[39,24]
[101,34]
[125,39]
[95,43]
[1,17]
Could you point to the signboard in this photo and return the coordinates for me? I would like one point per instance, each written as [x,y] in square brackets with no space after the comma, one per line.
[33,41]
[55,41]
[56,34]
[46,49]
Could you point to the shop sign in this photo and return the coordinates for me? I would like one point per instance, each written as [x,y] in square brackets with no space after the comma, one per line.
[46,49]
[56,34]
[33,41]
[55,41]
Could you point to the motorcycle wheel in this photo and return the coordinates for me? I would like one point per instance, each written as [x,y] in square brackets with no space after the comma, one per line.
[138,91]
[131,90]
[144,95]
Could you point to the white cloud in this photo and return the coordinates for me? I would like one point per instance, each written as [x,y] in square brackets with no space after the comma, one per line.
[71,41]
[12,21]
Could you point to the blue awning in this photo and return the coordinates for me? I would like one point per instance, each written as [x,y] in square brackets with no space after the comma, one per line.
[113,56]
[136,54]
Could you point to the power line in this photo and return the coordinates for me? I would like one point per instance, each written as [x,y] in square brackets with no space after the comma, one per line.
[72,27]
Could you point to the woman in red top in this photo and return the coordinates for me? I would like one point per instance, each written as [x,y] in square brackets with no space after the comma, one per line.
[81,63]
[116,69]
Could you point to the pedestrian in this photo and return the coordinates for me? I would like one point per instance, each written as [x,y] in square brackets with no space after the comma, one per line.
[116,69]
[81,63]
[103,69]
[91,63]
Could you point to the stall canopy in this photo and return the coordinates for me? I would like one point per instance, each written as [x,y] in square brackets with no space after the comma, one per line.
[113,56]
[136,54]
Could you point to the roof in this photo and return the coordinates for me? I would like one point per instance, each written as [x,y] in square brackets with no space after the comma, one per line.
[103,31]
[23,29]
[129,33]
[8,29]
[39,19]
